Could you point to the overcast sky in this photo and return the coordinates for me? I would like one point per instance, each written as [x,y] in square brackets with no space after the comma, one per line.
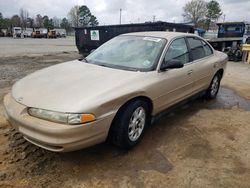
[133,11]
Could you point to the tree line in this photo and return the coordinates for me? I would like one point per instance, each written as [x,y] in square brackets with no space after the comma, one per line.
[78,16]
[202,13]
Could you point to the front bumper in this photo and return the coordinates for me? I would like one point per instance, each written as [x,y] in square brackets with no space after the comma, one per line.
[55,136]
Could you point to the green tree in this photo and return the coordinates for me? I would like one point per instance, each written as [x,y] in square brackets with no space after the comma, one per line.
[16,21]
[86,18]
[82,16]
[50,24]
[46,22]
[214,12]
[195,11]
[7,24]
[93,21]
[1,20]
[65,24]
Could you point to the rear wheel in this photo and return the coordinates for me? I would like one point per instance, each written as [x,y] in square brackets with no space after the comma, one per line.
[213,89]
[129,125]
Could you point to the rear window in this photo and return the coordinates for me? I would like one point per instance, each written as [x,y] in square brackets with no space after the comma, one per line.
[196,47]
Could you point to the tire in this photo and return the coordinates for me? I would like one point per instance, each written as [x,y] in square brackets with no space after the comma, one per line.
[214,87]
[123,132]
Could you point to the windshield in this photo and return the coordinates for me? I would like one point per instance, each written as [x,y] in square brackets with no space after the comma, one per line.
[129,52]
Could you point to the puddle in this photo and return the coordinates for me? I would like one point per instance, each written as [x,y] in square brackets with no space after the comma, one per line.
[227,99]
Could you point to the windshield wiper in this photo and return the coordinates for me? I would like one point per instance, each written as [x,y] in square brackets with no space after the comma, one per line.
[83,59]
[102,65]
[117,67]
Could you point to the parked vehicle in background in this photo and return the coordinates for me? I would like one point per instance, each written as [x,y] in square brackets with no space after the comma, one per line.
[114,92]
[211,34]
[27,32]
[60,33]
[44,32]
[1,33]
[40,33]
[9,34]
[17,32]
[230,36]
[51,34]
[4,32]
[36,34]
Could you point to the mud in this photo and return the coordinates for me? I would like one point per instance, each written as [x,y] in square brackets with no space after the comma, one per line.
[200,144]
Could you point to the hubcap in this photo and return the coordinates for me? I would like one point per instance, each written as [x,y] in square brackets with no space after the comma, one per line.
[136,124]
[215,85]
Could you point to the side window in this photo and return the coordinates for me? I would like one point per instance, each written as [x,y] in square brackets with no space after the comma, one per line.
[178,50]
[196,48]
[207,48]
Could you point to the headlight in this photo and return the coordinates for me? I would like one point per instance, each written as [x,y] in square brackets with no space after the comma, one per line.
[60,117]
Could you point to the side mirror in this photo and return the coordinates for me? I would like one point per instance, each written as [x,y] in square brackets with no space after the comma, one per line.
[172,64]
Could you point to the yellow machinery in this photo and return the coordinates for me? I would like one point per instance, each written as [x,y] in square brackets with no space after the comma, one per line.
[52,34]
[36,34]
[246,53]
[39,33]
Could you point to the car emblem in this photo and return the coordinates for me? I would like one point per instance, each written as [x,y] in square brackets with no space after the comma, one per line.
[20,99]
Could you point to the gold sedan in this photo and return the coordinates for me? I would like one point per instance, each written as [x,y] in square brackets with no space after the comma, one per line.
[114,92]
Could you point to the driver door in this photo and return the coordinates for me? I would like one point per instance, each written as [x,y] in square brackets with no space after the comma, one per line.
[175,84]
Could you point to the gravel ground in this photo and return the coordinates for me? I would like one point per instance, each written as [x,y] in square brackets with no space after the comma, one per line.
[10,47]
[201,144]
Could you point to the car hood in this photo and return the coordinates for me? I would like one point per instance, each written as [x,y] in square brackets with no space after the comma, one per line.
[69,86]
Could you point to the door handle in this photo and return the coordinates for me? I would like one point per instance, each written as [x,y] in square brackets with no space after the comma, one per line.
[190,72]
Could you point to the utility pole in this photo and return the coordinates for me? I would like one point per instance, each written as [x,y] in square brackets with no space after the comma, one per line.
[153,18]
[224,17]
[120,16]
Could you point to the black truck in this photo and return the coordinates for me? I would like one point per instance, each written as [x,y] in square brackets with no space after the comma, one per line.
[90,38]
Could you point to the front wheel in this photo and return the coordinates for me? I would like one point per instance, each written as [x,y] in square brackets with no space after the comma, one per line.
[129,125]
[213,89]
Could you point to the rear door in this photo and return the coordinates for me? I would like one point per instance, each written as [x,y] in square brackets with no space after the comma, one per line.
[203,61]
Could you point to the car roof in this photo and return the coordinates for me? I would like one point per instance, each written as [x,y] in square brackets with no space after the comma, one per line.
[160,34]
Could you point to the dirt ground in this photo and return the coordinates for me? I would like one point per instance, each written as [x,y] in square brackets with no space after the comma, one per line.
[10,47]
[201,144]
